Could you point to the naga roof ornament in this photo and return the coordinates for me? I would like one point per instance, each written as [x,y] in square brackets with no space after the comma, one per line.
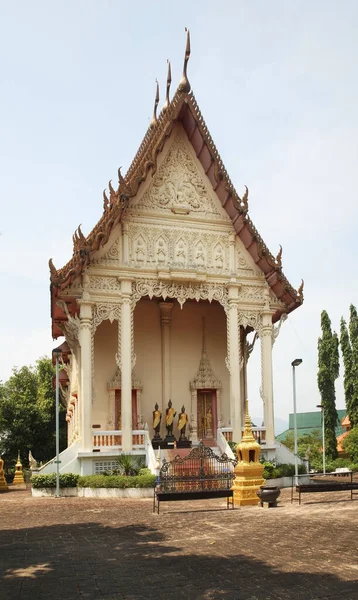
[300,291]
[105,201]
[156,102]
[184,85]
[241,204]
[279,257]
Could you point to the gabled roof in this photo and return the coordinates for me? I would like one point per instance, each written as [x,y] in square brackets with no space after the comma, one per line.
[182,108]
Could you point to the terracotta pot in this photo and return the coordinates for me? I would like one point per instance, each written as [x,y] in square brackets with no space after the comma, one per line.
[269,494]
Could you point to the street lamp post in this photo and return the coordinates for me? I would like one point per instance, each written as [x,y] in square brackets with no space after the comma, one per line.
[57,352]
[295,363]
[323,440]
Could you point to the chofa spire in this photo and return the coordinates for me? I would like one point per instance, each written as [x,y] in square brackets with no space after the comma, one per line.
[184,85]
[169,80]
[156,102]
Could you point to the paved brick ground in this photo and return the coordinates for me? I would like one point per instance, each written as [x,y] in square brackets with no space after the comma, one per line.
[117,549]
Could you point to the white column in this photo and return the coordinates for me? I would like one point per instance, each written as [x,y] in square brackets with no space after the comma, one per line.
[266,376]
[165,322]
[126,365]
[86,374]
[234,362]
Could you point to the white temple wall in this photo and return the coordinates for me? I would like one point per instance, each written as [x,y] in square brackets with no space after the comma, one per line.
[186,348]
[105,349]
[147,347]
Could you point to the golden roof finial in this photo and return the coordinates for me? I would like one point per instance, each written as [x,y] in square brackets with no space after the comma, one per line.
[169,80]
[156,102]
[184,85]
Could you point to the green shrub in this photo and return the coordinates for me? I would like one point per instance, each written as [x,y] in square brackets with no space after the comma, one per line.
[117,481]
[49,481]
[127,464]
[273,471]
[144,471]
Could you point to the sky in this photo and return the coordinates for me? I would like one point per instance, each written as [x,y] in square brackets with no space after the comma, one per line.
[277,85]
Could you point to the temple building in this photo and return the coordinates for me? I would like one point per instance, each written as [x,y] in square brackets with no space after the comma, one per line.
[158,300]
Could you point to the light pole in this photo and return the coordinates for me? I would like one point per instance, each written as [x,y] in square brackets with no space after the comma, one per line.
[323,440]
[295,363]
[57,352]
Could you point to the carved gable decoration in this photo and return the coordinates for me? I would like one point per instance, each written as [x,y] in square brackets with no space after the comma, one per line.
[112,256]
[244,263]
[178,186]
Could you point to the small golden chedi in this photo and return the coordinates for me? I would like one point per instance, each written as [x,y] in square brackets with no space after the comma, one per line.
[248,471]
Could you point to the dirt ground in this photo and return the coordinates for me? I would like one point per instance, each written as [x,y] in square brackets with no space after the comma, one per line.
[118,549]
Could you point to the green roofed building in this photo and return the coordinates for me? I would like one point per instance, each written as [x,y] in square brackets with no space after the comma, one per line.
[310,421]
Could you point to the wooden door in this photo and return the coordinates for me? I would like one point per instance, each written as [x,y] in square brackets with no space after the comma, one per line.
[118,410]
[207,419]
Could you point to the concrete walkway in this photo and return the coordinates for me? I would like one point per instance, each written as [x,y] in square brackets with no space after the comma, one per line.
[117,549]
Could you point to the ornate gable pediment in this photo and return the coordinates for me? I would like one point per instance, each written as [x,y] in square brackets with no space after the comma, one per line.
[179,185]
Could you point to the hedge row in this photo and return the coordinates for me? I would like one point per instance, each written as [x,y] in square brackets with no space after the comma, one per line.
[145,480]
[117,481]
[49,481]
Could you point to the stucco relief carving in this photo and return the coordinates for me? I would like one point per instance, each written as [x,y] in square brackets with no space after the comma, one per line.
[182,292]
[102,312]
[112,256]
[250,293]
[178,186]
[178,247]
[250,318]
[105,284]
[243,265]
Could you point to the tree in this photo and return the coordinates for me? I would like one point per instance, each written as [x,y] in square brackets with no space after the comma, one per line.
[353,334]
[328,371]
[350,377]
[350,445]
[27,414]
[309,445]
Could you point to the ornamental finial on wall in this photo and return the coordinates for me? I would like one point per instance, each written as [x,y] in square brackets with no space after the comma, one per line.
[169,80]
[184,85]
[156,102]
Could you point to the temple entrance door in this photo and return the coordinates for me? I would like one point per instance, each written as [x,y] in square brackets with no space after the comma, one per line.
[207,418]
[118,410]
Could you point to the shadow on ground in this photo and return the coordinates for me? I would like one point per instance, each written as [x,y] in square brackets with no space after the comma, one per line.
[134,563]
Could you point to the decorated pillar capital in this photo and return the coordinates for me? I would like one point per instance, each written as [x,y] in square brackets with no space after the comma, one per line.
[165,313]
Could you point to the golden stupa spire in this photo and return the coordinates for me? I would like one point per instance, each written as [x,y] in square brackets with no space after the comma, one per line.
[184,85]
[156,102]
[247,436]
[169,80]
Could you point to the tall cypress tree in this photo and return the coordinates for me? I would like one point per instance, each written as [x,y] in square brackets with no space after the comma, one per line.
[328,371]
[353,334]
[350,389]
